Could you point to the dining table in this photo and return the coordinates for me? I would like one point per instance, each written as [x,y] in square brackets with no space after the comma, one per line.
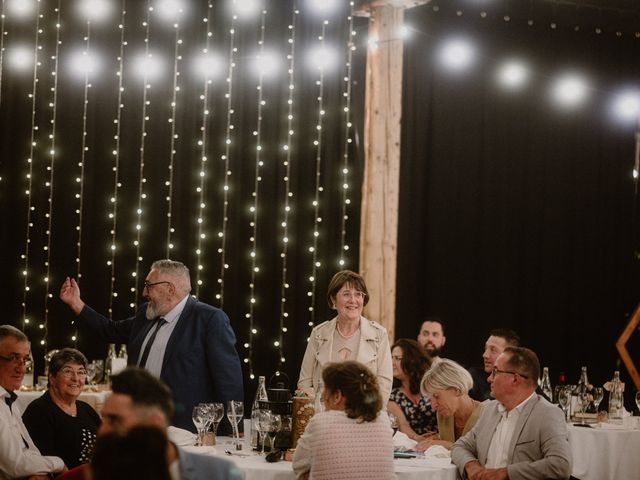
[606,451]
[255,466]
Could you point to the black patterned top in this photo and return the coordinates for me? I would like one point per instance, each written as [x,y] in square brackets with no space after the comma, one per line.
[421,417]
[56,433]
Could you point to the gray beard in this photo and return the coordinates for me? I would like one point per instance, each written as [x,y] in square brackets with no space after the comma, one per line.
[152,311]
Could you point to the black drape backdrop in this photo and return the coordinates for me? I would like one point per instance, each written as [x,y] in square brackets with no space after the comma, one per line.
[513,212]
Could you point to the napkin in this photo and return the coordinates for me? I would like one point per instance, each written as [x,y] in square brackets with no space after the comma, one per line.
[402,443]
[181,437]
[437,451]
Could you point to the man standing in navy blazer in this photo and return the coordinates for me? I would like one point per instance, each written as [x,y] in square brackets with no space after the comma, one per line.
[188,344]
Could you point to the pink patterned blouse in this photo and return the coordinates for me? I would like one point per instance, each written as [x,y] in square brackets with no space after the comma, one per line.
[335,447]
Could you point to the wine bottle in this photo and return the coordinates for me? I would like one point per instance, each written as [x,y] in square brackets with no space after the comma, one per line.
[261,396]
[615,398]
[580,389]
[545,384]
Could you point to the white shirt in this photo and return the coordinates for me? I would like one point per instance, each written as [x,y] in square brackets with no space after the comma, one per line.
[16,460]
[498,453]
[156,354]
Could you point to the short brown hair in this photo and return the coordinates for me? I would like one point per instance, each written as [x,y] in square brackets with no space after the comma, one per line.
[524,361]
[341,278]
[64,356]
[358,385]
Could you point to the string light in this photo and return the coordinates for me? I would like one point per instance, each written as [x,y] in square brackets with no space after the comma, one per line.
[253,225]
[288,194]
[86,65]
[222,234]
[344,248]
[148,67]
[2,35]
[321,64]
[172,10]
[113,215]
[207,65]
[569,90]
[49,184]
[32,144]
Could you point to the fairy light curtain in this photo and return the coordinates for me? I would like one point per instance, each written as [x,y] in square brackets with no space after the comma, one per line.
[214,133]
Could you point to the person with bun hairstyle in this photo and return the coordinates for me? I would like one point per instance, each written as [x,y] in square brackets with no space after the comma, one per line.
[351,438]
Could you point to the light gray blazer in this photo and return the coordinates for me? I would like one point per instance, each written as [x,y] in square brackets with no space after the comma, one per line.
[539,447]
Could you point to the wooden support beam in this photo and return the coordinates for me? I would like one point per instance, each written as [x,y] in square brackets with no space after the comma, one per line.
[363,8]
[379,221]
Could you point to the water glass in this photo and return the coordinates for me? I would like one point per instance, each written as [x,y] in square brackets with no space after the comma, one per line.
[198,417]
[235,414]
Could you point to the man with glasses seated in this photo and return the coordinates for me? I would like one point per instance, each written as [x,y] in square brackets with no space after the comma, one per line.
[188,344]
[19,457]
[519,435]
[58,422]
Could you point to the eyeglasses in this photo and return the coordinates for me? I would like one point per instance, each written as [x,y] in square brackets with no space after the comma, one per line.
[70,372]
[148,285]
[357,295]
[495,371]
[17,360]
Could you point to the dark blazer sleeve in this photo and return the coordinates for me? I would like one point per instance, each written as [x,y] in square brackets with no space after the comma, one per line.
[111,331]
[222,358]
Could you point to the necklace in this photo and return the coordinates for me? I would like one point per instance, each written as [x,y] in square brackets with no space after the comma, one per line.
[346,336]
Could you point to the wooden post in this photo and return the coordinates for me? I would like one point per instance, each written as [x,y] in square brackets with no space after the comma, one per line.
[383,109]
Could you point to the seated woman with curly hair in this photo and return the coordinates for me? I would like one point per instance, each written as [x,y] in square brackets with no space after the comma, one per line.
[350,439]
[416,417]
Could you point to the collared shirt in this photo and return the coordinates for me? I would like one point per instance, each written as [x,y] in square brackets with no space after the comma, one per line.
[156,354]
[16,460]
[498,453]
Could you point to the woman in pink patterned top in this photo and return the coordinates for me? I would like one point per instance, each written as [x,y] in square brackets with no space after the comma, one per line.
[351,439]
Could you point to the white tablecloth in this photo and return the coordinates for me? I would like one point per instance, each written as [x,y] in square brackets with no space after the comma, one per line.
[256,467]
[95,399]
[605,453]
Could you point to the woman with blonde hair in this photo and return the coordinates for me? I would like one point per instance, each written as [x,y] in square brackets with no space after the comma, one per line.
[447,384]
[350,439]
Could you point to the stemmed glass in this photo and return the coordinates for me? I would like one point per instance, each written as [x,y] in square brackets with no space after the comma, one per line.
[198,415]
[393,421]
[275,424]
[262,421]
[235,414]
[638,400]
[583,401]
[564,397]
[216,412]
[91,373]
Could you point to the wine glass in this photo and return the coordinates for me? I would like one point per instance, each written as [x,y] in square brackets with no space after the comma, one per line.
[564,397]
[199,418]
[275,425]
[598,395]
[638,400]
[215,415]
[91,373]
[262,421]
[235,414]
[258,425]
[583,402]
[393,421]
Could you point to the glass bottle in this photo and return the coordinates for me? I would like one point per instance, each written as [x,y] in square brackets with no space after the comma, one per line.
[122,353]
[108,364]
[615,398]
[545,384]
[580,388]
[261,396]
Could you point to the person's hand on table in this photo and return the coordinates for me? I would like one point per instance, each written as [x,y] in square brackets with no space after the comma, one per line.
[428,442]
[475,471]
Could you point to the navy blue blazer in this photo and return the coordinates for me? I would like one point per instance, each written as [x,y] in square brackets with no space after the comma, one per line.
[200,363]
